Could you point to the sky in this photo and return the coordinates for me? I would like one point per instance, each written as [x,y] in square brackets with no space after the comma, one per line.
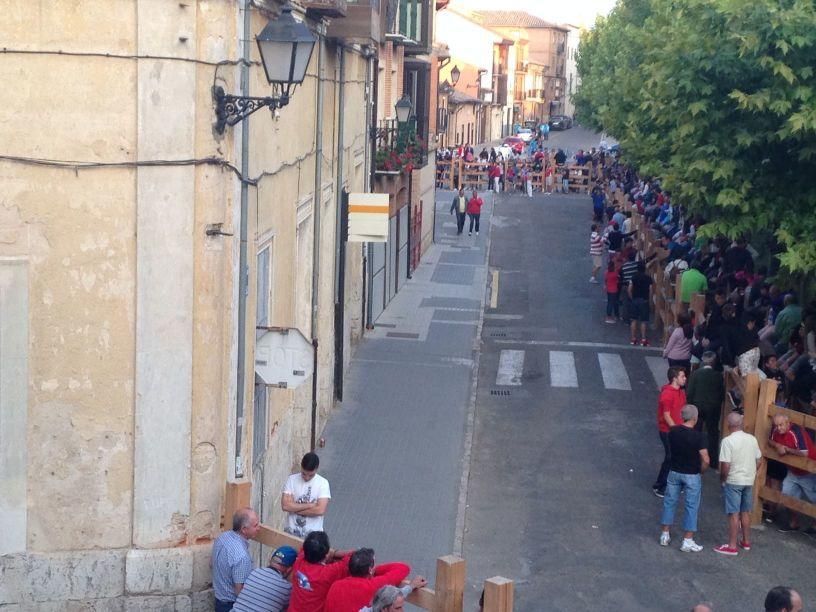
[578,12]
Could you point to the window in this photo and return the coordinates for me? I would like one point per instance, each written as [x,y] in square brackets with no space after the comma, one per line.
[264,287]
[259,436]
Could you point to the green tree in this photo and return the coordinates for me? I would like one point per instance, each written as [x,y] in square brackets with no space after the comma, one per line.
[718,98]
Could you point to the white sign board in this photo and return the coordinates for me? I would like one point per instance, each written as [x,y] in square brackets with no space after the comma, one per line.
[284,358]
[368,217]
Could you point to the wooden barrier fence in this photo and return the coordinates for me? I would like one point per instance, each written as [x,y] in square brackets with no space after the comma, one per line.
[449,585]
[450,174]
[759,415]
[666,295]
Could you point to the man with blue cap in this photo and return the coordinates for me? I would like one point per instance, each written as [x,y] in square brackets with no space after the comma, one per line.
[268,588]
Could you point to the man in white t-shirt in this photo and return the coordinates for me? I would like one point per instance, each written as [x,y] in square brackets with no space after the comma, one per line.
[739,460]
[305,498]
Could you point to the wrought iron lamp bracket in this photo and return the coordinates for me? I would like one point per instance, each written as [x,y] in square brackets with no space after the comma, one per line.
[230,109]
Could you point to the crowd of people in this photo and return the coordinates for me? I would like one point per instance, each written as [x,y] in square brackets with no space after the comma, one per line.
[749,324]
[318,578]
[512,168]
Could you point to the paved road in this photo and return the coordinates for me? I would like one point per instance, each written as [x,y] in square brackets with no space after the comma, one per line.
[565,449]
[395,446]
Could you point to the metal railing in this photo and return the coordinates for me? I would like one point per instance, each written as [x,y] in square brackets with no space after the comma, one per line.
[398,147]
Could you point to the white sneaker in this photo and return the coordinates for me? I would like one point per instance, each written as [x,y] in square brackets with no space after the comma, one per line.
[665,538]
[592,279]
[690,546]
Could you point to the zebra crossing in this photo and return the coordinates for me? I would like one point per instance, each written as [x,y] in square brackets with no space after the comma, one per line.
[563,372]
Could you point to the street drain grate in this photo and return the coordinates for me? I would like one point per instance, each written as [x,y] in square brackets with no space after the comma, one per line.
[498,335]
[500,392]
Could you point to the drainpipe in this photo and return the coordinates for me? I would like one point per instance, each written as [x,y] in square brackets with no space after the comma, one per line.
[318,191]
[372,126]
[339,234]
[243,271]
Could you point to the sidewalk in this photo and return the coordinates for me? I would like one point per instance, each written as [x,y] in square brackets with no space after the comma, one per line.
[395,447]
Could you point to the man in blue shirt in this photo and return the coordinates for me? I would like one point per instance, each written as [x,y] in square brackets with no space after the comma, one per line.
[231,563]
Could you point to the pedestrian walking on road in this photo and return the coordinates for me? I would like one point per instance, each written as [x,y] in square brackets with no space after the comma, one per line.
[739,460]
[474,210]
[640,293]
[612,283]
[596,252]
[689,459]
[495,175]
[678,347]
[706,390]
[669,404]
[459,206]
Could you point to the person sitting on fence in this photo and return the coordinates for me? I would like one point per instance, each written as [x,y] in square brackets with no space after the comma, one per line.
[484,155]
[740,343]
[492,155]
[794,441]
[560,157]
[357,590]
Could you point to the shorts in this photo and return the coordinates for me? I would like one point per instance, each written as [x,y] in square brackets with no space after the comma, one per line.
[800,487]
[738,498]
[776,470]
[639,310]
[597,261]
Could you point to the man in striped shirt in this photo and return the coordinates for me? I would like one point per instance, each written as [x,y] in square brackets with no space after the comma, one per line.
[627,271]
[596,248]
[268,588]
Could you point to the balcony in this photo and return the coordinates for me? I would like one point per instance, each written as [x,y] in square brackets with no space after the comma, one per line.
[325,8]
[412,24]
[398,148]
[363,24]
[500,89]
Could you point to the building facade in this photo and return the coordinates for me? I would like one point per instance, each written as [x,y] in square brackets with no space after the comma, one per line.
[143,254]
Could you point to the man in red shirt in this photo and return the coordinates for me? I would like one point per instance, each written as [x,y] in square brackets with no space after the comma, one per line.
[671,401]
[356,591]
[316,568]
[474,211]
[786,442]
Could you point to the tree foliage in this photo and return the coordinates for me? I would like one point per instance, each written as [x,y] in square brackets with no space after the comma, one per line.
[717,97]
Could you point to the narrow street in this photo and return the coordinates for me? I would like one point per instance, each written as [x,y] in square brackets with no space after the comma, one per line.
[565,447]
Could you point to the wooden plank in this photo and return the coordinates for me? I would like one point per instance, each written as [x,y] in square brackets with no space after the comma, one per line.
[498,594]
[450,584]
[274,538]
[750,400]
[797,505]
[760,426]
[237,496]
[422,598]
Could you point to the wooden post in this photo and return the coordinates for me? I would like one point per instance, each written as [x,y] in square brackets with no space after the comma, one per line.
[450,584]
[750,399]
[761,430]
[498,595]
[237,496]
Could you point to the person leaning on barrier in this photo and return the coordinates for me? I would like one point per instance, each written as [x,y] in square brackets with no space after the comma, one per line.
[392,599]
[231,563]
[355,592]
[316,568]
[783,599]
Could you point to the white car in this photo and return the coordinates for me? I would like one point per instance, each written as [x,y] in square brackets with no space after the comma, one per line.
[526,134]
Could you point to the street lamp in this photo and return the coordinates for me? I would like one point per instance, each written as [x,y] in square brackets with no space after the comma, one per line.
[286,46]
[455,74]
[403,108]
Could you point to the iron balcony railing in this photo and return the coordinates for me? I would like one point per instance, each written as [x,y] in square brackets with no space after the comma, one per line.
[398,148]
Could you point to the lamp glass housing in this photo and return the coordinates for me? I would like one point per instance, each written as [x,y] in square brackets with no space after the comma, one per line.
[403,108]
[455,74]
[286,46]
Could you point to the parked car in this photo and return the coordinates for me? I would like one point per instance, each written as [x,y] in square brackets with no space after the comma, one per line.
[560,122]
[512,144]
[526,134]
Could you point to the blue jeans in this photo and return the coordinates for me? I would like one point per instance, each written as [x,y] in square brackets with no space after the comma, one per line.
[692,486]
